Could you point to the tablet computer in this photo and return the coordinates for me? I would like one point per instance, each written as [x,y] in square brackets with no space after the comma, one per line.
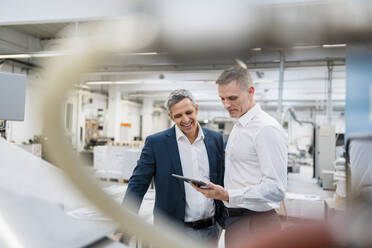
[196,182]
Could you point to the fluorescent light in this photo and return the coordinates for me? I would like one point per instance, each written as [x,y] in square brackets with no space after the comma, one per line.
[44,54]
[306,47]
[257,49]
[148,82]
[145,94]
[98,82]
[190,82]
[127,82]
[33,55]
[111,82]
[144,53]
[334,45]
[15,56]
[47,54]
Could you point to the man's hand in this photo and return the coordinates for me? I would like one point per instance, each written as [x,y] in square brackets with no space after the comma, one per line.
[214,192]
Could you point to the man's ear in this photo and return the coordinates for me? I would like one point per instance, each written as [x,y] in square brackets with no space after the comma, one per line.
[170,116]
[196,108]
[251,90]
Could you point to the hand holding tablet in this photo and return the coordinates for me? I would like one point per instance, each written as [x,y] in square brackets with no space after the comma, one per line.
[196,182]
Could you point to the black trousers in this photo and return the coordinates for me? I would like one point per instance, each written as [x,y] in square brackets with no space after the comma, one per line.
[248,224]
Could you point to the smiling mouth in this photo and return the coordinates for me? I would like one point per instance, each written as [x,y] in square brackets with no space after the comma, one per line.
[187,125]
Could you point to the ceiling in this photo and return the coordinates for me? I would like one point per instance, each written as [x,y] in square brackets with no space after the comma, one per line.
[191,50]
[43,31]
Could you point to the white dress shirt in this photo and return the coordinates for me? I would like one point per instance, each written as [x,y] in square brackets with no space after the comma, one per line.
[256,162]
[361,164]
[195,164]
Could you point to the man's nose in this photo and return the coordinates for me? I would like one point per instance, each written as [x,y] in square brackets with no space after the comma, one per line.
[185,118]
[226,104]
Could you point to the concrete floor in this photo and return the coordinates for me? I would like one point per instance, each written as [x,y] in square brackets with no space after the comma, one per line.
[303,183]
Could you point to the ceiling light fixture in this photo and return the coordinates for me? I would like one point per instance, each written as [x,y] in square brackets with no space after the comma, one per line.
[44,54]
[334,45]
[98,82]
[144,53]
[306,47]
[111,82]
[127,82]
[48,54]
[41,54]
[15,56]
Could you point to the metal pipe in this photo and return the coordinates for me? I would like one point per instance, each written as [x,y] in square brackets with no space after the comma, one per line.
[329,92]
[281,82]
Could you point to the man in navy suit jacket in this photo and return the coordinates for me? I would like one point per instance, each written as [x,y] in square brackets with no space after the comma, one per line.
[185,149]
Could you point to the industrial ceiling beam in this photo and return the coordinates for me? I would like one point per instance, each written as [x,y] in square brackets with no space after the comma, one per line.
[123,70]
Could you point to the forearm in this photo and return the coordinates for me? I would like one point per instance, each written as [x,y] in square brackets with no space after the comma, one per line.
[265,192]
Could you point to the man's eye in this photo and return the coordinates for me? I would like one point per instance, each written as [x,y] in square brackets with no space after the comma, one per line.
[189,112]
[177,116]
[233,98]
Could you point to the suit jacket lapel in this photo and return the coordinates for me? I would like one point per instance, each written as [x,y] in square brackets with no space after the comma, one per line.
[211,156]
[173,153]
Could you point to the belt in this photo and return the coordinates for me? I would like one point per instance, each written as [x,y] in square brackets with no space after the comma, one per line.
[200,224]
[231,212]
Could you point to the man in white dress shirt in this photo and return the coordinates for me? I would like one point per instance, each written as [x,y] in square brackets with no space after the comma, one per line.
[255,159]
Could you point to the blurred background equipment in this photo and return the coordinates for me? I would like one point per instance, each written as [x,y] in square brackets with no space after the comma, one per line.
[12,96]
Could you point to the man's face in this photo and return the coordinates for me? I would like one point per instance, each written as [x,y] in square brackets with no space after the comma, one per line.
[235,98]
[184,114]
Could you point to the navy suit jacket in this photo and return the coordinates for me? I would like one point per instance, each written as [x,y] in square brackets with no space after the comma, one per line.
[159,160]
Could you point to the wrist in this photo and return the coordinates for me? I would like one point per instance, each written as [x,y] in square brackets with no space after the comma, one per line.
[226,196]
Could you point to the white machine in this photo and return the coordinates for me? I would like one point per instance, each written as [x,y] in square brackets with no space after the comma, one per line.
[325,155]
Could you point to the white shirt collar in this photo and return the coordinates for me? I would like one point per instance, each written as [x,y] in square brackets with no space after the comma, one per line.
[180,134]
[244,119]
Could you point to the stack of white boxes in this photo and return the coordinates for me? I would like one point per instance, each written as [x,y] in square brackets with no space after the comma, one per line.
[115,161]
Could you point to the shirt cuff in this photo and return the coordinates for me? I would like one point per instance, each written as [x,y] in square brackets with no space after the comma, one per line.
[235,196]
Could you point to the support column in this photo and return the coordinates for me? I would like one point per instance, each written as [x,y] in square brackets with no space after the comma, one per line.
[114,113]
[280,87]
[80,122]
[147,110]
[329,92]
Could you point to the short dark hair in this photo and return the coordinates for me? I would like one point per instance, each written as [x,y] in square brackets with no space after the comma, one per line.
[235,73]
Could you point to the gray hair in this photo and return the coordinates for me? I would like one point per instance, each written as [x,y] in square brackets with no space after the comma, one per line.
[238,74]
[178,95]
